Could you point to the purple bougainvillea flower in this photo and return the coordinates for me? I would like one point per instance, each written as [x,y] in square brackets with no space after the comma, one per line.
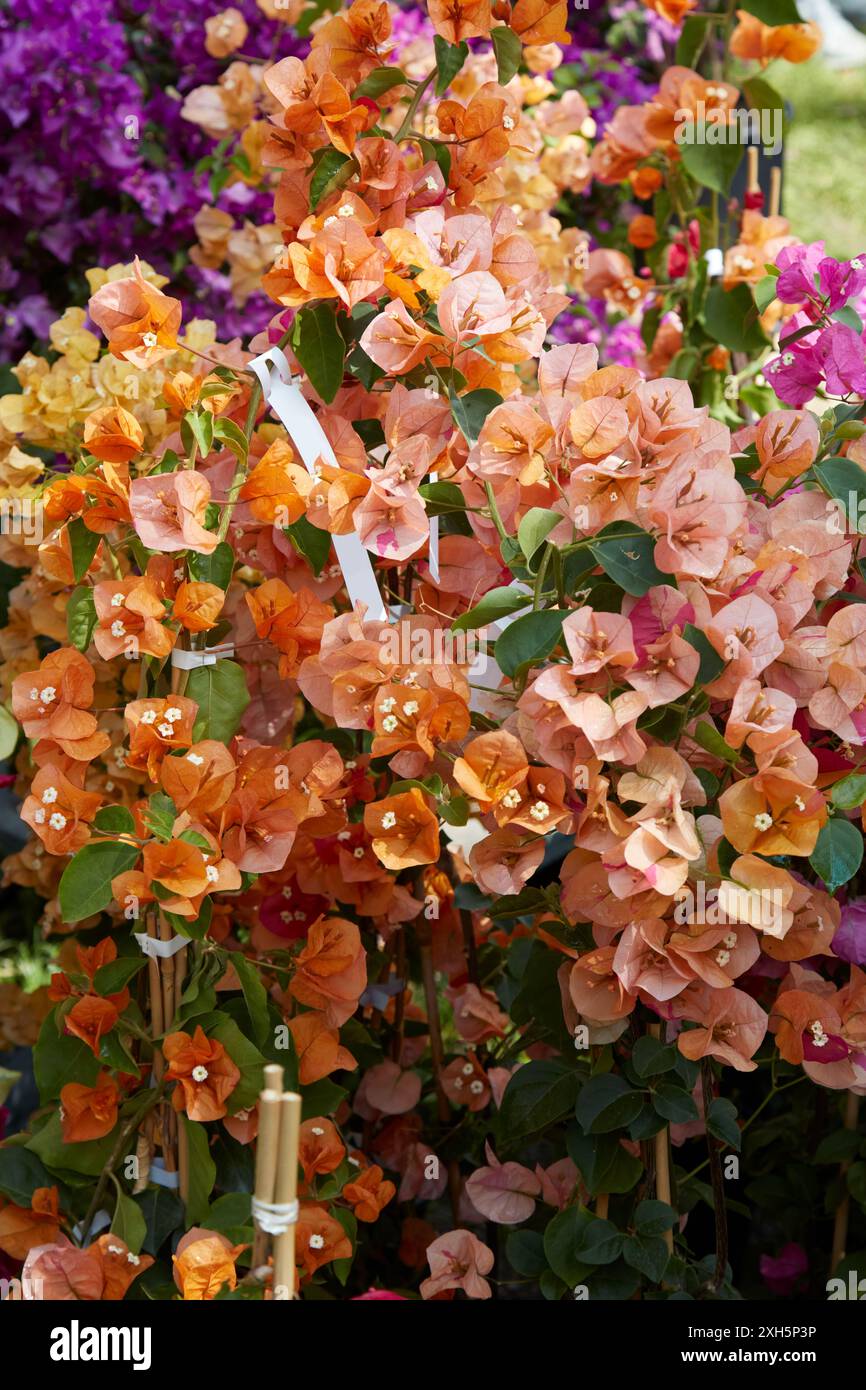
[783,1273]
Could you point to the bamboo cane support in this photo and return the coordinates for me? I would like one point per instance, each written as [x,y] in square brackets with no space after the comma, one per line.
[266,1152]
[775,203]
[840,1225]
[286,1190]
[662,1159]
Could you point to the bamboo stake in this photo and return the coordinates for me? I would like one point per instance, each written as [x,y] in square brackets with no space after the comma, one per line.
[752,184]
[286,1191]
[662,1159]
[840,1226]
[266,1153]
[775,203]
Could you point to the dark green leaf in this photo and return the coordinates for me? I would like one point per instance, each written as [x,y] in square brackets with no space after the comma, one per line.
[605,1103]
[329,167]
[114,820]
[562,1240]
[653,1218]
[838,853]
[81,617]
[508,50]
[311,542]
[648,1255]
[712,664]
[450,58]
[731,318]
[722,1122]
[528,640]
[380,81]
[319,347]
[601,1243]
[538,1094]
[220,691]
[85,887]
[202,1171]
[83,545]
[470,411]
[213,569]
[713,166]
[496,603]
[626,556]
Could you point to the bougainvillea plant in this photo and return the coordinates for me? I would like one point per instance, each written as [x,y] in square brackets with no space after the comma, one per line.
[519,878]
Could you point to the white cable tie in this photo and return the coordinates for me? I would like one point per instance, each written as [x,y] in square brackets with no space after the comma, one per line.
[285,399]
[159,1175]
[183,660]
[153,946]
[275,1218]
[715,259]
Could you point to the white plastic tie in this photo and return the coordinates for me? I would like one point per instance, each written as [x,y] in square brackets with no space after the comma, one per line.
[288,404]
[183,660]
[715,259]
[153,946]
[275,1217]
[158,1174]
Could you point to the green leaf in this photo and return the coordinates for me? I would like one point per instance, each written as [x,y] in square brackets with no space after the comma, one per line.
[231,434]
[838,1147]
[713,166]
[311,542]
[319,347]
[21,1172]
[85,887]
[496,603]
[160,816]
[60,1059]
[838,853]
[83,545]
[8,1080]
[651,1057]
[213,569]
[601,1243]
[116,974]
[562,1240]
[328,168]
[114,820]
[129,1223]
[712,664]
[508,50]
[9,734]
[648,1255]
[450,58]
[380,81]
[709,738]
[845,481]
[849,791]
[86,1158]
[163,1214]
[197,426]
[674,1104]
[604,1164]
[731,318]
[524,1251]
[202,1171]
[605,1103]
[762,97]
[535,528]
[773,11]
[220,691]
[255,996]
[80,617]
[246,1058]
[442,499]
[691,40]
[765,292]
[538,1094]
[855,1181]
[528,640]
[653,1218]
[470,411]
[722,1122]
[626,556]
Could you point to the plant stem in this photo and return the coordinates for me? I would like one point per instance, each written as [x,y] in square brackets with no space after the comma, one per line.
[717,1180]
